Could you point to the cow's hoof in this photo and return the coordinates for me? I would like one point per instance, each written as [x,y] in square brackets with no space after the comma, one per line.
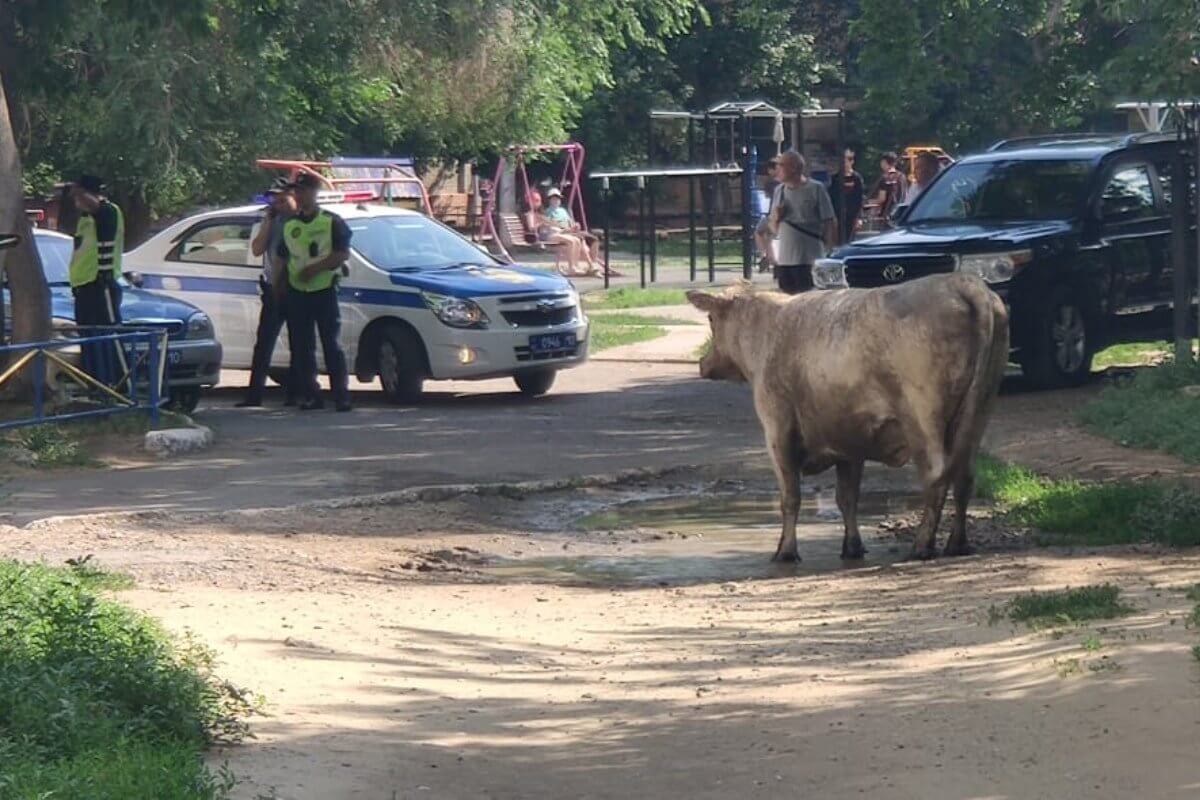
[957,549]
[785,557]
[924,554]
[853,553]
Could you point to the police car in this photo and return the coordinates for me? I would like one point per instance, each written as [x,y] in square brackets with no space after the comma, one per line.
[420,301]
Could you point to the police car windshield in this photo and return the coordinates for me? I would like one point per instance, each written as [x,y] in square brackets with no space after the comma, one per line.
[56,259]
[1016,190]
[411,243]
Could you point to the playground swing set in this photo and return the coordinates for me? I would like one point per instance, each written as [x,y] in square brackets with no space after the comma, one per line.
[510,224]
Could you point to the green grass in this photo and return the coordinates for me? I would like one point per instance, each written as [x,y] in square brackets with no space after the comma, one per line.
[1092,643]
[634,320]
[97,701]
[674,252]
[1150,412]
[1193,593]
[1196,652]
[53,446]
[1094,514]
[1067,606]
[1133,354]
[634,297]
[604,337]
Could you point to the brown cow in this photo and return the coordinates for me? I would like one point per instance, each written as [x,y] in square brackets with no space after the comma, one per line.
[907,372]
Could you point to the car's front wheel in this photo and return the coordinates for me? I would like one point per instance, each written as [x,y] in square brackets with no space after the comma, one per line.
[1062,350]
[400,360]
[183,399]
[535,382]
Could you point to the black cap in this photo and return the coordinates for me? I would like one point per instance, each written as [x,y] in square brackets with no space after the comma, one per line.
[90,183]
[279,185]
[307,180]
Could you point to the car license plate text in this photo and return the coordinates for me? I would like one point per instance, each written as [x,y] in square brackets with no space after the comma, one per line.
[550,342]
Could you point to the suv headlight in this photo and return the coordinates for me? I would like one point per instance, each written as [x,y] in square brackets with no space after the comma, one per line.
[455,311]
[199,326]
[995,267]
[829,273]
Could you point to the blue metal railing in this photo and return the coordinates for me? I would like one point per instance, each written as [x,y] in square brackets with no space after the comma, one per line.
[139,389]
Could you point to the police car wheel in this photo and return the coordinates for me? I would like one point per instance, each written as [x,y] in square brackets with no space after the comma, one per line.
[401,365]
[535,382]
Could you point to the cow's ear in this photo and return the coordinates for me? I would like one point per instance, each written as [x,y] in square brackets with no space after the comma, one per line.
[708,303]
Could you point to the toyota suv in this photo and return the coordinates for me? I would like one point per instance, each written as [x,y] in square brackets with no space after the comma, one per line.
[1074,232]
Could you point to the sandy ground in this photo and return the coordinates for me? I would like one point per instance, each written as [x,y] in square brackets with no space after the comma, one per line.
[458,649]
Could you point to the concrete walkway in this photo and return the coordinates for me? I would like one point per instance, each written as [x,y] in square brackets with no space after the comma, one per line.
[679,346]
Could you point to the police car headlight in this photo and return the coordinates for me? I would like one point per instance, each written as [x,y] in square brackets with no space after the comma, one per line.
[829,273]
[199,327]
[995,267]
[455,311]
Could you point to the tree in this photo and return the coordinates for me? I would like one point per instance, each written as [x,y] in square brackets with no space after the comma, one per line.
[20,265]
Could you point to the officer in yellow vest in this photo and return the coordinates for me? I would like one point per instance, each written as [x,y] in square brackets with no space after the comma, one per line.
[316,245]
[95,268]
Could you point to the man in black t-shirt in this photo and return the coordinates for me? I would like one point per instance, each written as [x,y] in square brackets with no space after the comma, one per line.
[846,193]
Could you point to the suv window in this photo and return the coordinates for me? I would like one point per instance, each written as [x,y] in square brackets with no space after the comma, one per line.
[1005,190]
[218,243]
[1129,195]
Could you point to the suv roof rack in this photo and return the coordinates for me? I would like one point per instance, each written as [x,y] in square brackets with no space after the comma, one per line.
[1117,139]
[1050,138]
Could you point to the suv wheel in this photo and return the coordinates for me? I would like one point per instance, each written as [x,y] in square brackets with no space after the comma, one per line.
[535,382]
[1062,352]
[401,365]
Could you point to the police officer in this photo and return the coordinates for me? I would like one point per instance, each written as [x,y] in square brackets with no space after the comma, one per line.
[272,287]
[316,244]
[95,267]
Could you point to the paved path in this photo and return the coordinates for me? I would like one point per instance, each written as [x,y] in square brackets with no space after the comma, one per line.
[599,418]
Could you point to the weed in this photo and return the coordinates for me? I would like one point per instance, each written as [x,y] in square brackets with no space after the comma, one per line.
[97,701]
[1092,643]
[1068,606]
[1150,411]
[1067,667]
[94,578]
[1097,514]
[52,446]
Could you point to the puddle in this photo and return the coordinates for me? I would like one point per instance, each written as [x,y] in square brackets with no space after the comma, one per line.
[692,539]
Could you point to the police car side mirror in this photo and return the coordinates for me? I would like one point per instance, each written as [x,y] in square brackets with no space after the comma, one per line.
[135,279]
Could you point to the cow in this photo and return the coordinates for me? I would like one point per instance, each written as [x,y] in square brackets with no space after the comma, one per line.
[896,374]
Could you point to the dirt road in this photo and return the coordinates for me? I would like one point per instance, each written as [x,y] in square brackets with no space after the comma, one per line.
[571,645]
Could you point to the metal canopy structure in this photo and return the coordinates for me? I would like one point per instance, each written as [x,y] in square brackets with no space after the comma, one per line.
[1159,115]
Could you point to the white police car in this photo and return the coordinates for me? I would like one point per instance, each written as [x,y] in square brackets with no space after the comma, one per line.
[421,302]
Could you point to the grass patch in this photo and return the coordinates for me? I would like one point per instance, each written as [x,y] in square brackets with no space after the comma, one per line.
[1193,593]
[1150,411]
[1092,643]
[604,337]
[1095,514]
[53,446]
[1133,354]
[1067,606]
[704,349]
[634,297]
[1196,652]
[97,701]
[635,320]
[675,251]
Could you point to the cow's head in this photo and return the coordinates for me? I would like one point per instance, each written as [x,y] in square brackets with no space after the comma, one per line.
[719,363]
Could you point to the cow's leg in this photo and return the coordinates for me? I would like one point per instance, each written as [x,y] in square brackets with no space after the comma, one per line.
[781,442]
[964,486]
[849,479]
[932,468]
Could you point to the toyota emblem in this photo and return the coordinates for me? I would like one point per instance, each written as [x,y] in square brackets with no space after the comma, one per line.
[893,273]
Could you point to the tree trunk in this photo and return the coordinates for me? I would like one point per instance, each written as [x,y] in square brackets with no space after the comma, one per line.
[21,266]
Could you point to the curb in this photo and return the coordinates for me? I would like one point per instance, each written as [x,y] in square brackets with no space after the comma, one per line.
[415,494]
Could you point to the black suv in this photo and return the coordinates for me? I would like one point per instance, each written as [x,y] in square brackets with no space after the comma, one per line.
[1074,232]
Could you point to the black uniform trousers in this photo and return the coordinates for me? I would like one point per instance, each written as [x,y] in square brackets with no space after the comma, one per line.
[272,316]
[307,311]
[794,278]
[97,310]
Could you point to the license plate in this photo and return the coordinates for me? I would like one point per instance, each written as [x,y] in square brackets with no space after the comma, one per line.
[549,342]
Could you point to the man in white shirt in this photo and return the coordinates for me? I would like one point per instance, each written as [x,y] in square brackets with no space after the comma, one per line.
[803,220]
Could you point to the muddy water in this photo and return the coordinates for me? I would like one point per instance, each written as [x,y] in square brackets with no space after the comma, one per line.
[697,539]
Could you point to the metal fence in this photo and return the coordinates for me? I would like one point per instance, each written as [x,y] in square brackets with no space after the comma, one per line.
[138,389]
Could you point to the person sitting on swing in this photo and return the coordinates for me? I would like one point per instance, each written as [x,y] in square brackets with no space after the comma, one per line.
[559,218]
[551,232]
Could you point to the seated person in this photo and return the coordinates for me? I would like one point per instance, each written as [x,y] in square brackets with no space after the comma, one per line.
[551,234]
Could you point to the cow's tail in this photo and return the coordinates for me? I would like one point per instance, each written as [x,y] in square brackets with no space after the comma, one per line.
[991,361]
